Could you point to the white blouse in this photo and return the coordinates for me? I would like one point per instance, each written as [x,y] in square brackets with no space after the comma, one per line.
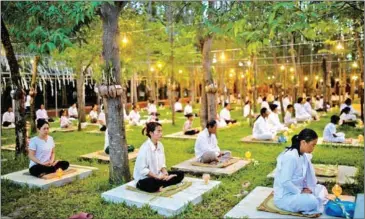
[225,114]
[206,142]
[42,114]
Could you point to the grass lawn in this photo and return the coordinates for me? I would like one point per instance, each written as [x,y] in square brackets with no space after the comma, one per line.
[85,195]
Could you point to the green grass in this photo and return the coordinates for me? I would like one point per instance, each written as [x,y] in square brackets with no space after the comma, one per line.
[84,195]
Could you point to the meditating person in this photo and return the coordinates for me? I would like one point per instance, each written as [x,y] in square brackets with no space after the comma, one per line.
[134,117]
[274,120]
[153,117]
[259,99]
[308,108]
[150,171]
[226,114]
[151,108]
[295,184]
[288,119]
[348,103]
[178,106]
[94,113]
[346,118]
[188,125]
[188,109]
[286,102]
[301,114]
[41,152]
[276,102]
[261,128]
[27,103]
[102,119]
[318,106]
[330,133]
[64,120]
[265,104]
[206,145]
[72,112]
[247,110]
[42,114]
[9,118]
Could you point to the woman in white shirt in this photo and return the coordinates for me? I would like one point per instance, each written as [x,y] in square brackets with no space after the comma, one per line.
[348,104]
[274,120]
[188,125]
[300,114]
[265,104]
[188,109]
[346,118]
[153,117]
[226,114]
[286,102]
[134,117]
[295,183]
[288,119]
[64,121]
[318,106]
[42,114]
[330,133]
[42,154]
[8,118]
[247,110]
[309,110]
[261,128]
[150,170]
[72,111]
[178,106]
[94,113]
[152,107]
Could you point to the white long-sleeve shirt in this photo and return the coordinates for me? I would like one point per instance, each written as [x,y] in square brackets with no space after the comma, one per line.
[149,159]
[246,110]
[266,105]
[300,111]
[329,131]
[134,117]
[260,127]
[206,142]
[72,111]
[101,118]
[8,117]
[352,111]
[151,109]
[93,114]
[274,122]
[308,108]
[27,101]
[64,121]
[347,117]
[286,102]
[188,109]
[42,114]
[178,106]
[318,104]
[288,119]
[225,114]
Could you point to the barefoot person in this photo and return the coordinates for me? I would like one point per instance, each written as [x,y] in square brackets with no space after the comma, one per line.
[295,183]
[42,154]
[150,170]
[206,145]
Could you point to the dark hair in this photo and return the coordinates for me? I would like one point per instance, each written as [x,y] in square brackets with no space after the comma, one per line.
[276,98]
[264,99]
[41,122]
[189,115]
[273,107]
[345,110]
[150,127]
[306,135]
[92,107]
[300,100]
[61,112]
[348,101]
[309,99]
[247,102]
[211,123]
[152,101]
[262,111]
[188,101]
[226,104]
[134,107]
[317,98]
[335,119]
[289,106]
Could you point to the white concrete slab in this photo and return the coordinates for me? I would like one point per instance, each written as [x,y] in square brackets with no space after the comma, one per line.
[355,143]
[359,209]
[23,177]
[72,129]
[250,139]
[101,156]
[247,208]
[187,167]
[166,206]
[180,135]
[345,175]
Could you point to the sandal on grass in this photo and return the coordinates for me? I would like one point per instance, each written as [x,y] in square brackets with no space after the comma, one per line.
[82,215]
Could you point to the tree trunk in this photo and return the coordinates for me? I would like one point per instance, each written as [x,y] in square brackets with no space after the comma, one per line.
[19,95]
[192,88]
[172,93]
[292,52]
[255,90]
[33,89]
[324,68]
[360,53]
[80,88]
[119,165]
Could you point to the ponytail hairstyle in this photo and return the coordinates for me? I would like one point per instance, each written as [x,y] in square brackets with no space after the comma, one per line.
[150,127]
[335,119]
[345,110]
[211,123]
[61,112]
[262,112]
[307,135]
[300,100]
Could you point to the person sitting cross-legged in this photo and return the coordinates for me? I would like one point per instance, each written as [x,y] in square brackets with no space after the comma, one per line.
[8,118]
[288,119]
[225,114]
[295,183]
[41,152]
[72,112]
[330,133]
[65,122]
[206,145]
[261,128]
[274,120]
[188,125]
[346,118]
[150,170]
